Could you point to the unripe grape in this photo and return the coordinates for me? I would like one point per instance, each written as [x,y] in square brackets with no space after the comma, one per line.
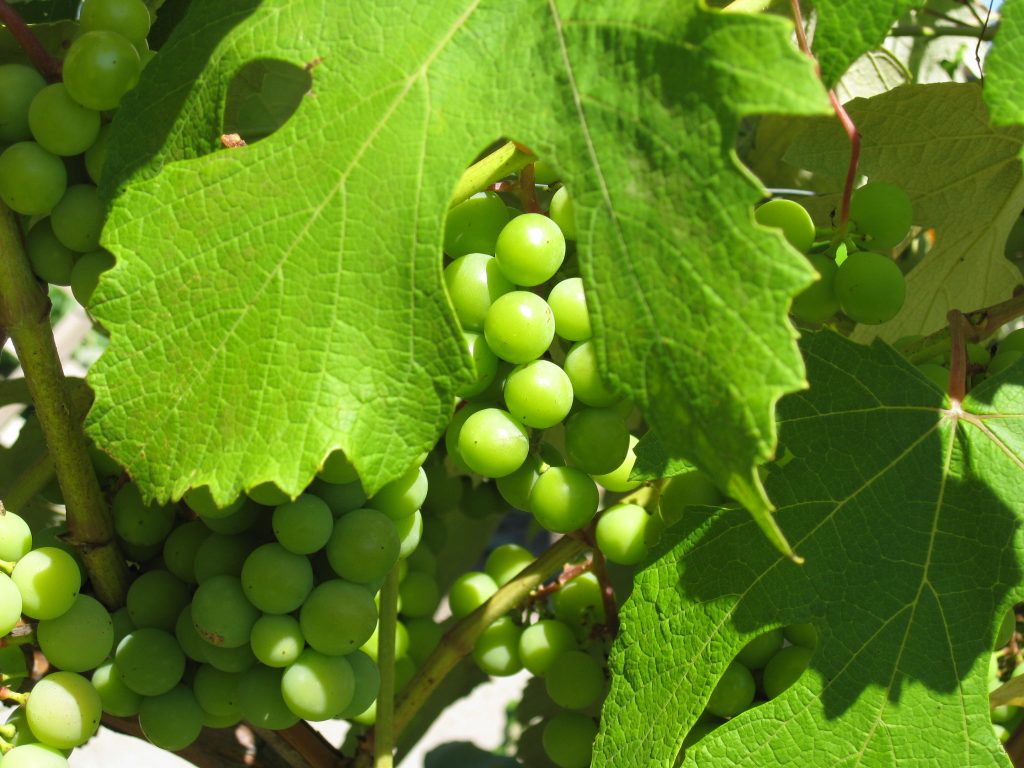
[15,536]
[48,580]
[539,394]
[496,651]
[519,327]
[492,443]
[563,499]
[621,533]
[784,669]
[64,710]
[734,692]
[792,218]
[473,225]
[569,739]
[870,288]
[19,85]
[563,213]
[172,720]
[32,180]
[817,303]
[568,302]
[883,212]
[100,68]
[129,18]
[530,249]
[60,124]
[474,282]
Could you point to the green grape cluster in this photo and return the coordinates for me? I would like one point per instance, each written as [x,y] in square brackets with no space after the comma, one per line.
[56,141]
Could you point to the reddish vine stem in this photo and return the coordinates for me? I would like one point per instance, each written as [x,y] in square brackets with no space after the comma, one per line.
[957,355]
[47,65]
[600,568]
[528,189]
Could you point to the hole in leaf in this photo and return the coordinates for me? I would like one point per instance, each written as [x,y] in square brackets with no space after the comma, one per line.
[262,96]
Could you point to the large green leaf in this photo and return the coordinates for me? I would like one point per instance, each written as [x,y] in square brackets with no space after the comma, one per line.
[964,178]
[1004,67]
[276,301]
[846,29]
[908,513]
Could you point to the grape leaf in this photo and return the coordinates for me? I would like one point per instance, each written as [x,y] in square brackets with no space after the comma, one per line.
[846,29]
[276,301]
[908,513]
[964,179]
[1004,67]
[38,11]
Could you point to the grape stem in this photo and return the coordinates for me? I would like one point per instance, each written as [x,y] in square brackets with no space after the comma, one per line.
[600,568]
[505,160]
[27,637]
[48,66]
[6,694]
[980,324]
[528,189]
[25,313]
[957,356]
[926,30]
[7,567]
[384,732]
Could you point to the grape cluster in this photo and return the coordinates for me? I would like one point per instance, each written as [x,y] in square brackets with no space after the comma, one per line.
[56,139]
[853,276]
[1006,664]
[983,359]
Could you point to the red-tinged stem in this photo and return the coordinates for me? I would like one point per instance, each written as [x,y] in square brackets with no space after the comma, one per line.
[611,610]
[47,65]
[6,694]
[528,189]
[957,355]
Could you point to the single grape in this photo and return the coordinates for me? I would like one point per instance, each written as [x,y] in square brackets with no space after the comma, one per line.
[19,85]
[541,644]
[563,213]
[870,287]
[621,533]
[492,443]
[575,680]
[506,562]
[366,678]
[277,641]
[317,687]
[64,710]
[734,692]
[424,636]
[883,212]
[569,739]
[338,617]
[419,594]
[117,698]
[474,281]
[469,591]
[340,497]
[14,666]
[756,653]
[337,469]
[496,651]
[100,68]
[587,385]
[10,604]
[802,634]
[200,500]
[785,668]
[96,155]
[34,756]
[539,394]
[275,580]
[156,598]
[1006,629]
[192,645]
[371,647]
[222,555]
[817,303]
[61,125]
[563,499]
[579,602]
[485,365]
[303,526]
[596,440]
[515,487]
[618,480]
[530,249]
[150,661]
[129,18]
[473,225]
[222,614]
[122,624]
[15,536]
[401,497]
[216,691]
[80,639]
[454,431]
[51,260]
[242,519]
[221,721]
[792,218]
[545,173]
[422,560]
[268,494]
[568,303]
[262,703]
[692,488]
[32,180]
[77,219]
[48,580]
[519,326]
[234,660]
[364,546]
[172,720]
[137,522]
[181,548]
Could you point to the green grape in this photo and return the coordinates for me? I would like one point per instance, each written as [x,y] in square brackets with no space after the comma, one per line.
[15,537]
[19,85]
[690,489]
[802,634]
[410,532]
[617,481]
[221,721]
[129,18]
[181,548]
[150,661]
[539,394]
[575,680]
[77,219]
[734,692]
[587,385]
[496,651]
[792,218]
[79,639]
[474,282]
[492,443]
[337,469]
[371,647]
[420,594]
[883,212]
[34,756]
[275,580]
[338,617]
[541,644]
[48,580]
[122,624]
[138,523]
[221,555]
[317,687]
[579,602]
[200,500]
[817,303]
[117,698]
[96,155]
[1006,629]
[785,668]
[530,249]
[506,562]
[262,703]
[364,546]
[276,641]
[341,497]
[61,125]
[568,303]
[10,604]
[172,720]
[473,225]
[596,440]
[422,560]
[156,598]
[239,521]
[100,68]
[192,645]
[366,678]
[454,431]
[222,614]
[14,666]
[870,287]
[485,365]
[569,739]
[519,327]
[216,691]
[401,497]
[756,653]
[563,499]
[935,373]
[51,260]
[469,591]
[240,659]
[545,173]
[64,710]
[424,636]
[621,533]
[268,494]
[32,180]
[515,487]
[563,213]
[303,526]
